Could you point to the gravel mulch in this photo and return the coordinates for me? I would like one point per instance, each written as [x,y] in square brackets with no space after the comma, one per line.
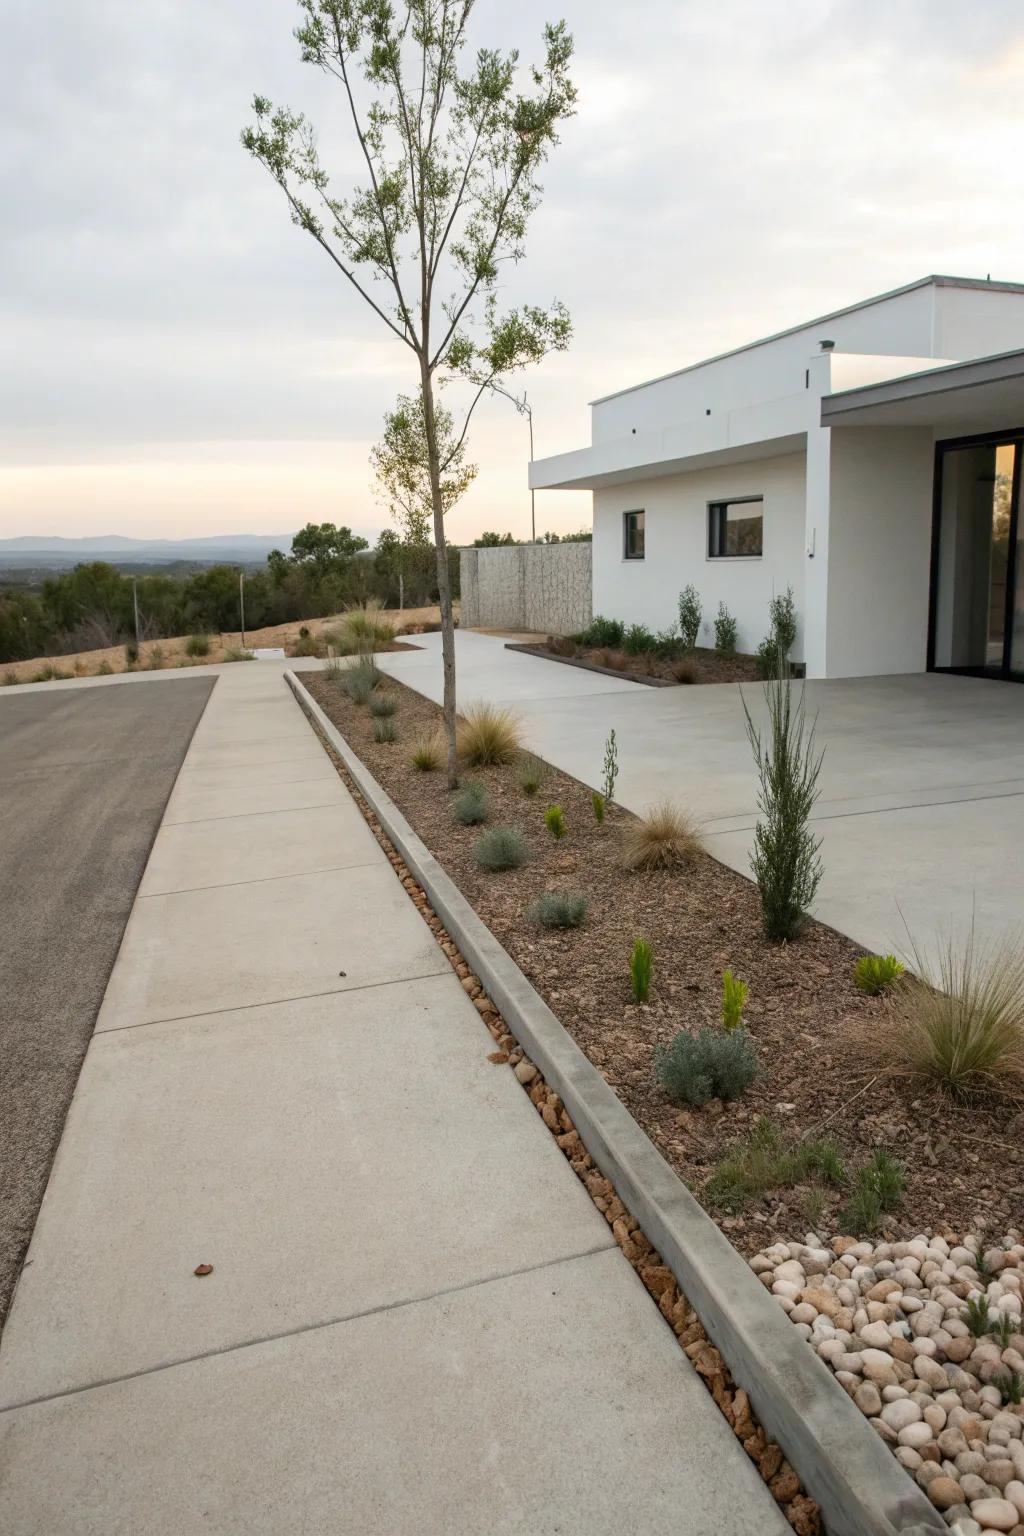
[964,1167]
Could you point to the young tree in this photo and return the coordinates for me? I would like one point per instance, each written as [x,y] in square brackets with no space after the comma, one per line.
[323,546]
[452,157]
[401,462]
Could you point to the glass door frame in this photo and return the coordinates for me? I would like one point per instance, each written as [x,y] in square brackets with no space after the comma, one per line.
[950,445]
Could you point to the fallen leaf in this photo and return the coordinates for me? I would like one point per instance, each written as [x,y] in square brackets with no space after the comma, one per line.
[203,1269]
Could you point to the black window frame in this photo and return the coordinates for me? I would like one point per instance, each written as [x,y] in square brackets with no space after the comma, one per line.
[717,514]
[634,512]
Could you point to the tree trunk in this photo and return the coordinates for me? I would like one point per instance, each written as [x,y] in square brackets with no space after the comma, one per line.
[444,590]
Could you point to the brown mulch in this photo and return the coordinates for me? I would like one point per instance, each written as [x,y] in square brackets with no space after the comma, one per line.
[697,666]
[964,1166]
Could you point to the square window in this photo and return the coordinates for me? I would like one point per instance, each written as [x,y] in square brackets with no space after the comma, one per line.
[736,528]
[633,535]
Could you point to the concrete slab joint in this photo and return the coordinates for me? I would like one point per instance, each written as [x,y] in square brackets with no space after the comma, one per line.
[862,1491]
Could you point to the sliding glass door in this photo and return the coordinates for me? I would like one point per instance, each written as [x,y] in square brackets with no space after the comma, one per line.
[978,578]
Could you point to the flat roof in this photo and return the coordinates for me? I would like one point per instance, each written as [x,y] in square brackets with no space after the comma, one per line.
[935,279]
[973,373]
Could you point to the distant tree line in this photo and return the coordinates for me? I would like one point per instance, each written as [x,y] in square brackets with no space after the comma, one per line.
[499,540]
[328,569]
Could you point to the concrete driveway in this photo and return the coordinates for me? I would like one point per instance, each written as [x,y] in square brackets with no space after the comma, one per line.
[922,803]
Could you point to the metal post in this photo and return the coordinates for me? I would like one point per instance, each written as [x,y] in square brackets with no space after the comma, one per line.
[135,605]
[533,507]
[401,592]
[241,603]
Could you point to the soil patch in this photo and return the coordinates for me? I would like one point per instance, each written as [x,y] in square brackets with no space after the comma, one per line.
[697,666]
[964,1167]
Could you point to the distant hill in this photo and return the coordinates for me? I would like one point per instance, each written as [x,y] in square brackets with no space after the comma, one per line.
[43,552]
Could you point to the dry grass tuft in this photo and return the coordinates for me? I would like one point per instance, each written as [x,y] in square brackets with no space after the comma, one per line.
[960,1023]
[429,753]
[364,628]
[487,736]
[663,839]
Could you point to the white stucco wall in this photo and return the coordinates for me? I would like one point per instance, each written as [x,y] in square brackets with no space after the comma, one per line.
[676,532]
[879,550]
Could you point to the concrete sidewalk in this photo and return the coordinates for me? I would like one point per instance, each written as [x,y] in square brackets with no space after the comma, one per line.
[416,1320]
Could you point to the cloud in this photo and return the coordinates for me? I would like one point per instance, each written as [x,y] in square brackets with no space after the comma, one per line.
[732,169]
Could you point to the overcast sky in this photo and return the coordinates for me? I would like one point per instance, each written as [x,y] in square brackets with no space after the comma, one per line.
[177,359]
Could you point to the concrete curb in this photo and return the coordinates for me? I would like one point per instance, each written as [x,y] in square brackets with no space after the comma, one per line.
[842,1463]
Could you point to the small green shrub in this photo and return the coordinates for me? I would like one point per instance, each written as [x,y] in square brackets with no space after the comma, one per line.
[385,731]
[236,653]
[610,768]
[601,633]
[361,678]
[638,639]
[877,1188]
[708,1065]
[641,965]
[782,616]
[667,644]
[365,631]
[307,644]
[554,820]
[51,674]
[197,645]
[559,909]
[531,775]
[785,860]
[429,753]
[690,615]
[873,974]
[683,672]
[725,632]
[765,1161]
[131,652]
[597,800]
[471,806]
[382,705]
[155,658]
[1002,1328]
[1010,1385]
[734,999]
[334,667]
[104,669]
[501,848]
[976,1316]
[769,661]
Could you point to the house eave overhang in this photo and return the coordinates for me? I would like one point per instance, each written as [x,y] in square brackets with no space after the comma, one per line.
[986,392]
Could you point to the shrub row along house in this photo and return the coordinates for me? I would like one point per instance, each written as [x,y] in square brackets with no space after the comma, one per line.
[870,460]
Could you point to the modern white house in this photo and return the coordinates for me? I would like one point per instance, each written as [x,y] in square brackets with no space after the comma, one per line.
[870,459]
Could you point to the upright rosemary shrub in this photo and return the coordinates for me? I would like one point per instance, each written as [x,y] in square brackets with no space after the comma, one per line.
[785,861]
[641,966]
[690,615]
[725,632]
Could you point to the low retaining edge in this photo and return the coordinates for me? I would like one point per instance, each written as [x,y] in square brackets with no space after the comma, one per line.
[842,1463]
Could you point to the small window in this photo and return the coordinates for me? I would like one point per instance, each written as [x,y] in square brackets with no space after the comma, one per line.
[633,525]
[735,528]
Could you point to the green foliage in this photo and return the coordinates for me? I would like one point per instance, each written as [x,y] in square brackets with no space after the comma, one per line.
[877,1188]
[131,652]
[774,651]
[501,848]
[364,630]
[554,820]
[765,1161]
[104,669]
[155,658]
[197,645]
[874,974]
[429,753]
[11,678]
[725,632]
[690,614]
[361,678]
[382,705]
[708,1065]
[610,770]
[494,541]
[385,731]
[602,634]
[638,639]
[559,909]
[599,803]
[1002,1328]
[976,1316]
[962,1024]
[531,775]
[1010,1385]
[236,653]
[50,674]
[785,861]
[323,545]
[471,806]
[641,966]
[734,999]
[401,463]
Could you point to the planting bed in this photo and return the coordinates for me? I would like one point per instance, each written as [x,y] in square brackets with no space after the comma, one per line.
[697,666]
[964,1166]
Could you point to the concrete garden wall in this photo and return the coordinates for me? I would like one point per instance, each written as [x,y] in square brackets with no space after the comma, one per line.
[545,588]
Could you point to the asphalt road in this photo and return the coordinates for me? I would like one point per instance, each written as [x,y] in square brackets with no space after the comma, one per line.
[85,774]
